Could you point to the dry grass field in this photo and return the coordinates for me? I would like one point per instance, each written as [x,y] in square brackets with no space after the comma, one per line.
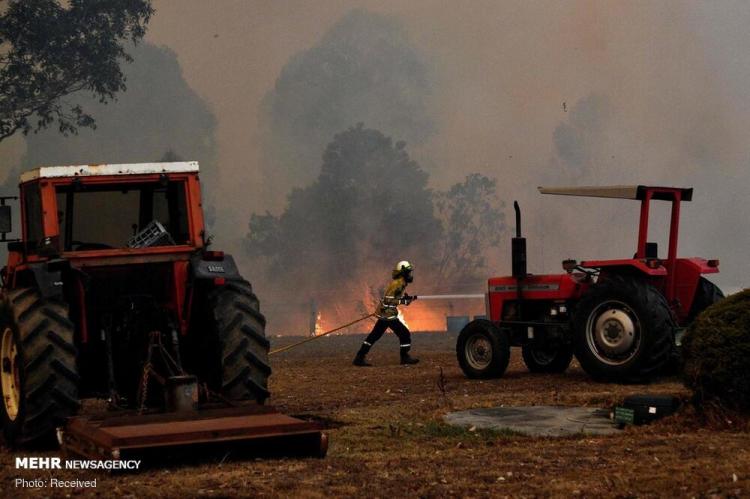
[388,439]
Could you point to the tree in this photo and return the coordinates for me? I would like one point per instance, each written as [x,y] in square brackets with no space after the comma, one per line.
[49,51]
[369,201]
[158,113]
[338,237]
[716,351]
[370,207]
[364,68]
[473,222]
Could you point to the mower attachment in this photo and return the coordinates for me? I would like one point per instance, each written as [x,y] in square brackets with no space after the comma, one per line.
[249,429]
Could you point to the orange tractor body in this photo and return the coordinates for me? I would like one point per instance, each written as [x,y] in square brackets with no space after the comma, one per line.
[111,292]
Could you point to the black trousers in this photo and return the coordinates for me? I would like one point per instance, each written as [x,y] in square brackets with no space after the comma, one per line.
[394,325]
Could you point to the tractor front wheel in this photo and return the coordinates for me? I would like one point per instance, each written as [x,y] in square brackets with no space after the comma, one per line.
[242,347]
[38,375]
[623,330]
[483,349]
[547,360]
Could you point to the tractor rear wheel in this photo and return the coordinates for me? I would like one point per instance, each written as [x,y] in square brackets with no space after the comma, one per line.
[483,349]
[623,330]
[547,360]
[706,294]
[243,348]
[39,378]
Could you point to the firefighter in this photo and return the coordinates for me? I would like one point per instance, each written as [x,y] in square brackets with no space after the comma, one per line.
[387,313]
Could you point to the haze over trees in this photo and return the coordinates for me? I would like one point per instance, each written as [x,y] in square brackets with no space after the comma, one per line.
[370,207]
[158,117]
[364,69]
[580,142]
[50,50]
[158,113]
[473,221]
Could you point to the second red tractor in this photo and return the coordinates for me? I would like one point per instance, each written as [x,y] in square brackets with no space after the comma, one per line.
[622,319]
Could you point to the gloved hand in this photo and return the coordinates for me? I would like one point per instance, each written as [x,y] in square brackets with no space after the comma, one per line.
[407,299]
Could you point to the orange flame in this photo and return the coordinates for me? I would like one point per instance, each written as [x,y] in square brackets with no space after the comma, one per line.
[318,325]
[401,318]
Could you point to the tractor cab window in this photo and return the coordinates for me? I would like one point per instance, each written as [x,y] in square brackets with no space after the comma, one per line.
[122,216]
[32,204]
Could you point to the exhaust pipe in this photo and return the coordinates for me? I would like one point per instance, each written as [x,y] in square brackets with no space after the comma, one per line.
[518,247]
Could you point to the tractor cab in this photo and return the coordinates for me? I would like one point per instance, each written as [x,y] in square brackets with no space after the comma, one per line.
[106,210]
[102,236]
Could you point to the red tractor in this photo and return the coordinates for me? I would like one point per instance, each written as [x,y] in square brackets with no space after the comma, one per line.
[622,319]
[112,292]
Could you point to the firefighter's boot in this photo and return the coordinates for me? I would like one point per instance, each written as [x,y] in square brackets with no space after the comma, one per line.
[407,359]
[359,359]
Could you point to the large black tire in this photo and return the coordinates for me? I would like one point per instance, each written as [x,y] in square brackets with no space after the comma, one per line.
[545,360]
[39,360]
[483,349]
[239,328]
[624,330]
[706,294]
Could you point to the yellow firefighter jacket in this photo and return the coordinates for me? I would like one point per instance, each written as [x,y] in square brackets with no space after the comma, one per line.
[388,307]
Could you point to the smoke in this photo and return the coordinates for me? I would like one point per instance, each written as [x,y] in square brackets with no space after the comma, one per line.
[558,95]
[368,208]
[363,69]
[673,77]
[653,93]
[157,114]
[580,141]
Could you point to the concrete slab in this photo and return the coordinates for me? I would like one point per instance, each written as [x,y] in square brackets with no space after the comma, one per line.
[540,420]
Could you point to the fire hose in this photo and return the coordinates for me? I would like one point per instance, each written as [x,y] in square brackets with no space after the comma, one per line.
[409,298]
[289,347]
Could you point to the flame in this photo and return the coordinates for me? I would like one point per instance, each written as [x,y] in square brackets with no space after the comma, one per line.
[401,318]
[318,325]
[419,316]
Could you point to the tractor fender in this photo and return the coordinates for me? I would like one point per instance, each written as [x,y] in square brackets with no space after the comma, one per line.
[627,265]
[48,277]
[211,269]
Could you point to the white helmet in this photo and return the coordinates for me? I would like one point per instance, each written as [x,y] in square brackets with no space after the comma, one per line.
[405,269]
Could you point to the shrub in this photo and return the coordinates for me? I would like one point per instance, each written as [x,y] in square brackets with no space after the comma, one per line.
[716,351]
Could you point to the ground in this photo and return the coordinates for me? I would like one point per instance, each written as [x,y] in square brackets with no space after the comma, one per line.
[388,439]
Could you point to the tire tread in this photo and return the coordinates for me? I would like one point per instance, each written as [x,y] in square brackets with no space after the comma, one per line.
[240,327]
[50,381]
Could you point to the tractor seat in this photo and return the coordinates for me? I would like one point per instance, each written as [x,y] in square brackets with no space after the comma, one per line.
[652,251]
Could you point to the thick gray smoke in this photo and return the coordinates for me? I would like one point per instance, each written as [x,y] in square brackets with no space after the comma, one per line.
[529,93]
[337,239]
[674,77]
[362,70]
[580,139]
